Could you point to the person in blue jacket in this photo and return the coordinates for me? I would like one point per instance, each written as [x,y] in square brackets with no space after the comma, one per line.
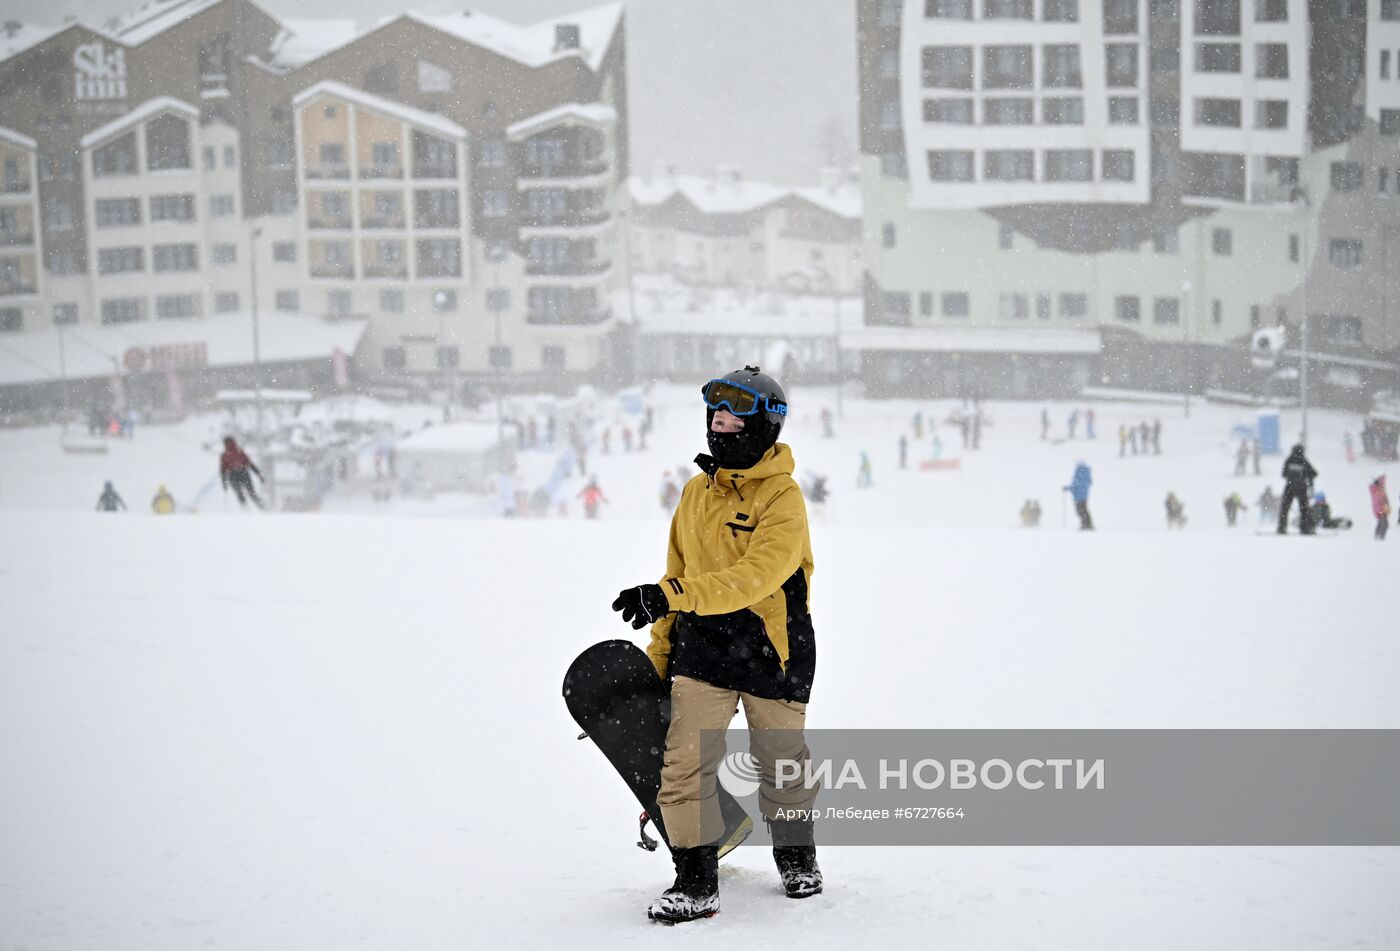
[1078,489]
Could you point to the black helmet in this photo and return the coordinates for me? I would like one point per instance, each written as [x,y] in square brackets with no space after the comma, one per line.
[757,399]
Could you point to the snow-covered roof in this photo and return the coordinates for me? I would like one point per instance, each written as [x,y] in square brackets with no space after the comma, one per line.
[90,350]
[419,117]
[451,437]
[16,37]
[306,39]
[588,111]
[975,339]
[715,196]
[156,17]
[141,113]
[843,200]
[531,44]
[17,138]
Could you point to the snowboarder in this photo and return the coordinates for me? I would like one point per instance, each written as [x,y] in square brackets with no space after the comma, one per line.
[234,466]
[1030,514]
[1234,505]
[863,480]
[592,495]
[817,491]
[1322,513]
[164,502]
[1176,512]
[1298,476]
[109,500]
[730,625]
[1380,507]
[1072,422]
[1078,489]
[1241,458]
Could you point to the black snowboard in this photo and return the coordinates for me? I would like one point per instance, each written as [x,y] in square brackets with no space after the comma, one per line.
[612,691]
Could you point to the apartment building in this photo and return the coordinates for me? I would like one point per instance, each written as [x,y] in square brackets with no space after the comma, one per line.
[456,180]
[1067,192]
[20,271]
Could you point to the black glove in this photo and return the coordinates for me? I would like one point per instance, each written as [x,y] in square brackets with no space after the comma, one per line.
[642,605]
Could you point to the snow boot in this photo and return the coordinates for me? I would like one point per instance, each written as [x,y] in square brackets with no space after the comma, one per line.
[795,853]
[696,891]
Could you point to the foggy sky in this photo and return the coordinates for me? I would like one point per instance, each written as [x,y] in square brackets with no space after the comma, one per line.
[746,82]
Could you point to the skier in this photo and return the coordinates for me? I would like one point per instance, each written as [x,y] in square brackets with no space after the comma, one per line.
[164,502]
[1123,441]
[817,491]
[1072,422]
[1380,507]
[1030,514]
[826,423]
[903,452]
[863,480]
[1078,489]
[1176,512]
[1241,458]
[1234,505]
[1322,514]
[592,495]
[1255,450]
[1268,504]
[234,466]
[1348,448]
[918,425]
[1156,437]
[1089,423]
[669,493]
[1145,434]
[730,625]
[109,500]
[1298,476]
[1044,423]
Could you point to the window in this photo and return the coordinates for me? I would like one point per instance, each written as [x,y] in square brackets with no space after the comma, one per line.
[58,216]
[950,165]
[1271,60]
[1008,165]
[332,153]
[1074,306]
[948,9]
[283,202]
[113,212]
[120,260]
[223,254]
[448,358]
[1347,176]
[11,319]
[1271,114]
[1006,67]
[170,306]
[499,357]
[382,78]
[284,251]
[1127,236]
[115,158]
[889,64]
[947,67]
[1215,312]
[955,304]
[889,13]
[1217,17]
[221,206]
[1218,112]
[58,166]
[894,308]
[887,235]
[957,111]
[1069,165]
[889,115]
[1270,11]
[1390,122]
[1222,242]
[433,157]
[1121,64]
[167,143]
[175,257]
[552,358]
[1006,9]
[1062,111]
[1166,239]
[339,303]
[1014,307]
[288,301]
[1166,310]
[444,301]
[1118,165]
[1344,252]
[1060,66]
[1217,57]
[1127,309]
[1042,307]
[1385,64]
[1120,16]
[394,358]
[493,153]
[384,154]
[925,303]
[1390,10]
[1059,11]
[439,257]
[64,314]
[1008,111]
[1122,110]
[225,302]
[494,203]
[172,207]
[1006,237]
[279,153]
[391,301]
[230,156]
[1293,243]
[63,262]
[435,208]
[121,310]
[211,158]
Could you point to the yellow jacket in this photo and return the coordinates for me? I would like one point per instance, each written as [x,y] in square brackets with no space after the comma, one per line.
[737,572]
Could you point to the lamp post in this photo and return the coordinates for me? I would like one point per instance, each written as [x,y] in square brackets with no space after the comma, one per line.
[1186,288]
[835,334]
[271,464]
[1303,202]
[497,300]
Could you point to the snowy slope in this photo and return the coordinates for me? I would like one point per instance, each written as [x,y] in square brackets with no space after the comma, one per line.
[342,731]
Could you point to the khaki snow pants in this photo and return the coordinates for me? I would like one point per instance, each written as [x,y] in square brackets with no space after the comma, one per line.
[689,799]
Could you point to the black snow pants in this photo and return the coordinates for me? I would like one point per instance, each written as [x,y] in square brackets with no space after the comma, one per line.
[1293,492]
[1082,510]
[242,483]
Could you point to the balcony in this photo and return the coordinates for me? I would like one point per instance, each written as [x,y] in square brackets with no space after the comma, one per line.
[567,219]
[567,318]
[326,170]
[328,222]
[435,221]
[566,169]
[387,270]
[390,222]
[16,287]
[14,188]
[325,269]
[394,170]
[566,268]
[435,170]
[12,238]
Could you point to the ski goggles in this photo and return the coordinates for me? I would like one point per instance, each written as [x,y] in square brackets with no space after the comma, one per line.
[739,399]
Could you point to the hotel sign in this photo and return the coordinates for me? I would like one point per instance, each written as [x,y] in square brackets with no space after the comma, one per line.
[98,73]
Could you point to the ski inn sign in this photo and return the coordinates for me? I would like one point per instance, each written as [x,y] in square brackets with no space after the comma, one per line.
[98,73]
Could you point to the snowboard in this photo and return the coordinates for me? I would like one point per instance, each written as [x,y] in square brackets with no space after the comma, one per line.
[614,695]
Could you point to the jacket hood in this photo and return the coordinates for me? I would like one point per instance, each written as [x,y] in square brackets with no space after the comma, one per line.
[776,461]
[229,443]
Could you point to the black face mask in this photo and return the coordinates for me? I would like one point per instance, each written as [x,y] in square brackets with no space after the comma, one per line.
[741,450]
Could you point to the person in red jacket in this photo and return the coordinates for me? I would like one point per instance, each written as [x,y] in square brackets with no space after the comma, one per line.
[234,466]
[591,496]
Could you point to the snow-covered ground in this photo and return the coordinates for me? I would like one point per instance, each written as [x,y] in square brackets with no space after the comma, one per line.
[336,730]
